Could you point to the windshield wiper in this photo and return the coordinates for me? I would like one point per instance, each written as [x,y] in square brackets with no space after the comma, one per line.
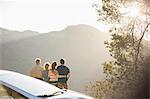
[51,95]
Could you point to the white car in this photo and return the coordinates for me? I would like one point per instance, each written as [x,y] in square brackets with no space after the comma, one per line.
[28,87]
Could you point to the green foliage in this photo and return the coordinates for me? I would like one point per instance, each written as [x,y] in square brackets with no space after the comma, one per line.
[108,11]
[121,49]
[126,71]
[99,89]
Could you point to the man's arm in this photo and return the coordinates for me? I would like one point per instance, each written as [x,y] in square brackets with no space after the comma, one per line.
[68,76]
[61,76]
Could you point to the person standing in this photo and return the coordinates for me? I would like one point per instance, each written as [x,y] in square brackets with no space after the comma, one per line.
[53,74]
[45,72]
[36,71]
[65,73]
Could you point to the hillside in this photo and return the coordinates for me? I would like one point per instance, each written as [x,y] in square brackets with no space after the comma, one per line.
[82,46]
[11,35]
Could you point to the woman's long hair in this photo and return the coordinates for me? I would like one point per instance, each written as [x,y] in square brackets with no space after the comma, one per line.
[54,64]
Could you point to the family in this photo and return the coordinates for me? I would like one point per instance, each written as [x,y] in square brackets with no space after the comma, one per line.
[57,76]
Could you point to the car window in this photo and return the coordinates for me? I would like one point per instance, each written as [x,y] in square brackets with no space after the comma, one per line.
[7,93]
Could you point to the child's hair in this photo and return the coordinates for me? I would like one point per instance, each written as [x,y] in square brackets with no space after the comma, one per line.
[46,64]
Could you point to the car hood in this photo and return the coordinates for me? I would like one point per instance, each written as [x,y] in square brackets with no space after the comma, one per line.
[31,87]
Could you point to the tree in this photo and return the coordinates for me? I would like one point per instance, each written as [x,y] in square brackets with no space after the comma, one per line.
[125,74]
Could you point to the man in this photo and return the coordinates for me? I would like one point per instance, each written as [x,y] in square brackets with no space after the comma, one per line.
[65,73]
[36,71]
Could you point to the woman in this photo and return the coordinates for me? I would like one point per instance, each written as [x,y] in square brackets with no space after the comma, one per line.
[53,74]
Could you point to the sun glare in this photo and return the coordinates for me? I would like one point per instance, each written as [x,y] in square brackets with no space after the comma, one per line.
[147,37]
[134,11]
[131,11]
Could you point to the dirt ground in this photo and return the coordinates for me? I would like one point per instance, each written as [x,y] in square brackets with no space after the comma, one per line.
[3,91]
[8,92]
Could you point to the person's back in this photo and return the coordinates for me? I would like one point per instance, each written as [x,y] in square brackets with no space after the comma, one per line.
[45,72]
[63,71]
[36,71]
[53,74]
[64,74]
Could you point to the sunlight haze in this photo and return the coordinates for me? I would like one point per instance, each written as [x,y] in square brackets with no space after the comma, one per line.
[44,16]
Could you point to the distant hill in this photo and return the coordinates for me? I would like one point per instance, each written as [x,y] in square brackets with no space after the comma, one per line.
[81,45]
[9,35]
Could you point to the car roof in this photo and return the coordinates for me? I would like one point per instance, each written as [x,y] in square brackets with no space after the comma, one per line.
[26,83]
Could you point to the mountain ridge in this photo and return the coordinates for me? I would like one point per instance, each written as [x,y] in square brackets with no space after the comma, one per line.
[22,35]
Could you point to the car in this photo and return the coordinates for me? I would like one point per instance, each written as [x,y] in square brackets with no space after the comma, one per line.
[15,84]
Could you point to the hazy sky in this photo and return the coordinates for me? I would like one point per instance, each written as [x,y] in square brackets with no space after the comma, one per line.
[47,15]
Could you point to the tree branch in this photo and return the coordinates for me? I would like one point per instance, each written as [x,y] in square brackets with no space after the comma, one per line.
[138,49]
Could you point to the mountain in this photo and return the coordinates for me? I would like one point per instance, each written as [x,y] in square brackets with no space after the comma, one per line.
[9,35]
[81,45]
